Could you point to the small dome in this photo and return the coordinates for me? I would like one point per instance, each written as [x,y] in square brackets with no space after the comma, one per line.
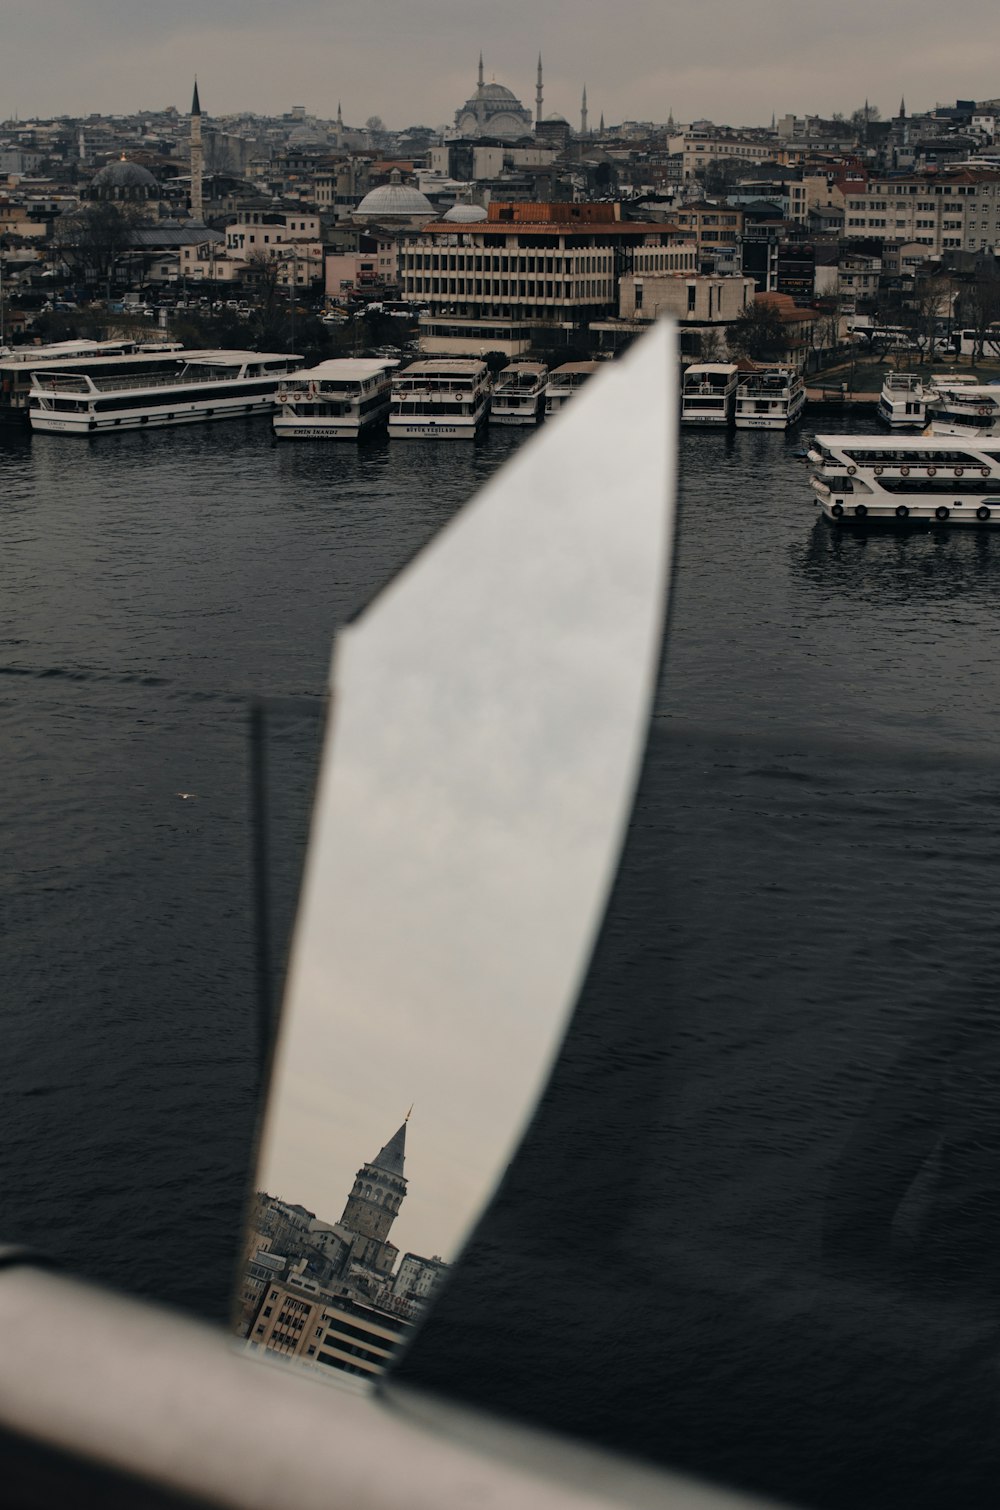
[465,214]
[395,200]
[123,175]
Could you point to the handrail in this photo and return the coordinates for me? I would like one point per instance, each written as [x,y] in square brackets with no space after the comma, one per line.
[162,1408]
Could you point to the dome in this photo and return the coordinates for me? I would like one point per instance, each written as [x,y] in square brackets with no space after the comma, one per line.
[121,175]
[465,214]
[395,200]
[497,92]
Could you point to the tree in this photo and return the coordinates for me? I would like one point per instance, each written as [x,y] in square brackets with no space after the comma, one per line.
[721,174]
[712,345]
[91,240]
[979,311]
[758,333]
[930,303]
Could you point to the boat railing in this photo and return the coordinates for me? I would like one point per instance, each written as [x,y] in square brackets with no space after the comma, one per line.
[60,382]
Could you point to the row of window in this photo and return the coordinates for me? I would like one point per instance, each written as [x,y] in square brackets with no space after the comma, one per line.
[476,262]
[522,288]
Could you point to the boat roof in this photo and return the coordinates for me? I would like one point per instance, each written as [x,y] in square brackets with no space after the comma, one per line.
[241,356]
[568,367]
[79,363]
[536,367]
[726,367]
[345,367]
[446,364]
[883,443]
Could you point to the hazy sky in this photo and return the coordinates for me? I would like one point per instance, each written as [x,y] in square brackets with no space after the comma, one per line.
[414,61]
[490,709]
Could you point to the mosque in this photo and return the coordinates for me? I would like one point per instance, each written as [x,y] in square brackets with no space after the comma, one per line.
[495,111]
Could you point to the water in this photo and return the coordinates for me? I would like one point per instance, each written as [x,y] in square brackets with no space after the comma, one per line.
[755,1228]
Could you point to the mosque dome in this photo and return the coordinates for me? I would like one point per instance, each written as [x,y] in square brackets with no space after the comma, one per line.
[497,93]
[395,201]
[465,214]
[122,182]
[124,178]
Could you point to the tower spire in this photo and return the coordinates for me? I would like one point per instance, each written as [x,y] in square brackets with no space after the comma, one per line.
[583,112]
[480,68]
[197,160]
[538,94]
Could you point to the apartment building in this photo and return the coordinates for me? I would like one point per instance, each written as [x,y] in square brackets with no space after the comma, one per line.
[527,270]
[699,148]
[957,209]
[711,227]
[690,299]
[297,1319]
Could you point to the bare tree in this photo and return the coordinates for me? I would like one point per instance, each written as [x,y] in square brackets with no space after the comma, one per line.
[929,304]
[979,310]
[92,240]
[758,332]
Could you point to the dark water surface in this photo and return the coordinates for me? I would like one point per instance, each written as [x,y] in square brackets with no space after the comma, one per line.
[756,1229]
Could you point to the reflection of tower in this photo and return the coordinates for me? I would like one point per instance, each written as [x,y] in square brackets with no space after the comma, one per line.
[197,159]
[378,1193]
[538,94]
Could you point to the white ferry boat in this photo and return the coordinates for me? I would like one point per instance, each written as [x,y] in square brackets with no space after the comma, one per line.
[927,480]
[214,385]
[708,393]
[444,398]
[519,394]
[771,399]
[566,380]
[337,400]
[902,404]
[18,367]
[965,409]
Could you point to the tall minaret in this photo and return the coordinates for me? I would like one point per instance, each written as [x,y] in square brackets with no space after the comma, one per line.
[339,137]
[197,159]
[480,70]
[538,94]
[583,112]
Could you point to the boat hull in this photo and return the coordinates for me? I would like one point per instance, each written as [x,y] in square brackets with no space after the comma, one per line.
[235,407]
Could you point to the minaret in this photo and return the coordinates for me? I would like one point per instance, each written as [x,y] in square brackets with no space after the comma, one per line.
[379,1190]
[583,112]
[339,138]
[538,94]
[197,160]
[600,128]
[902,109]
[480,70]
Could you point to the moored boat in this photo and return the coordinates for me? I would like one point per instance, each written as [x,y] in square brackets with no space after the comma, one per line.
[214,385]
[109,358]
[519,394]
[902,403]
[708,393]
[566,380]
[930,480]
[771,399]
[440,398]
[965,410]
[341,399]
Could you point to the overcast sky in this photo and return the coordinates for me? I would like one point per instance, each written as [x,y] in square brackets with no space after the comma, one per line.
[414,61]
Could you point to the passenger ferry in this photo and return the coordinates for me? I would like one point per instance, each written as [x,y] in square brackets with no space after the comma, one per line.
[771,399]
[212,385]
[708,394]
[927,480]
[18,367]
[902,404]
[444,398]
[965,409]
[519,394]
[337,400]
[566,380]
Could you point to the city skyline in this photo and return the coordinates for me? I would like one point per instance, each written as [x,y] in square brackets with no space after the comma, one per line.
[415,64]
